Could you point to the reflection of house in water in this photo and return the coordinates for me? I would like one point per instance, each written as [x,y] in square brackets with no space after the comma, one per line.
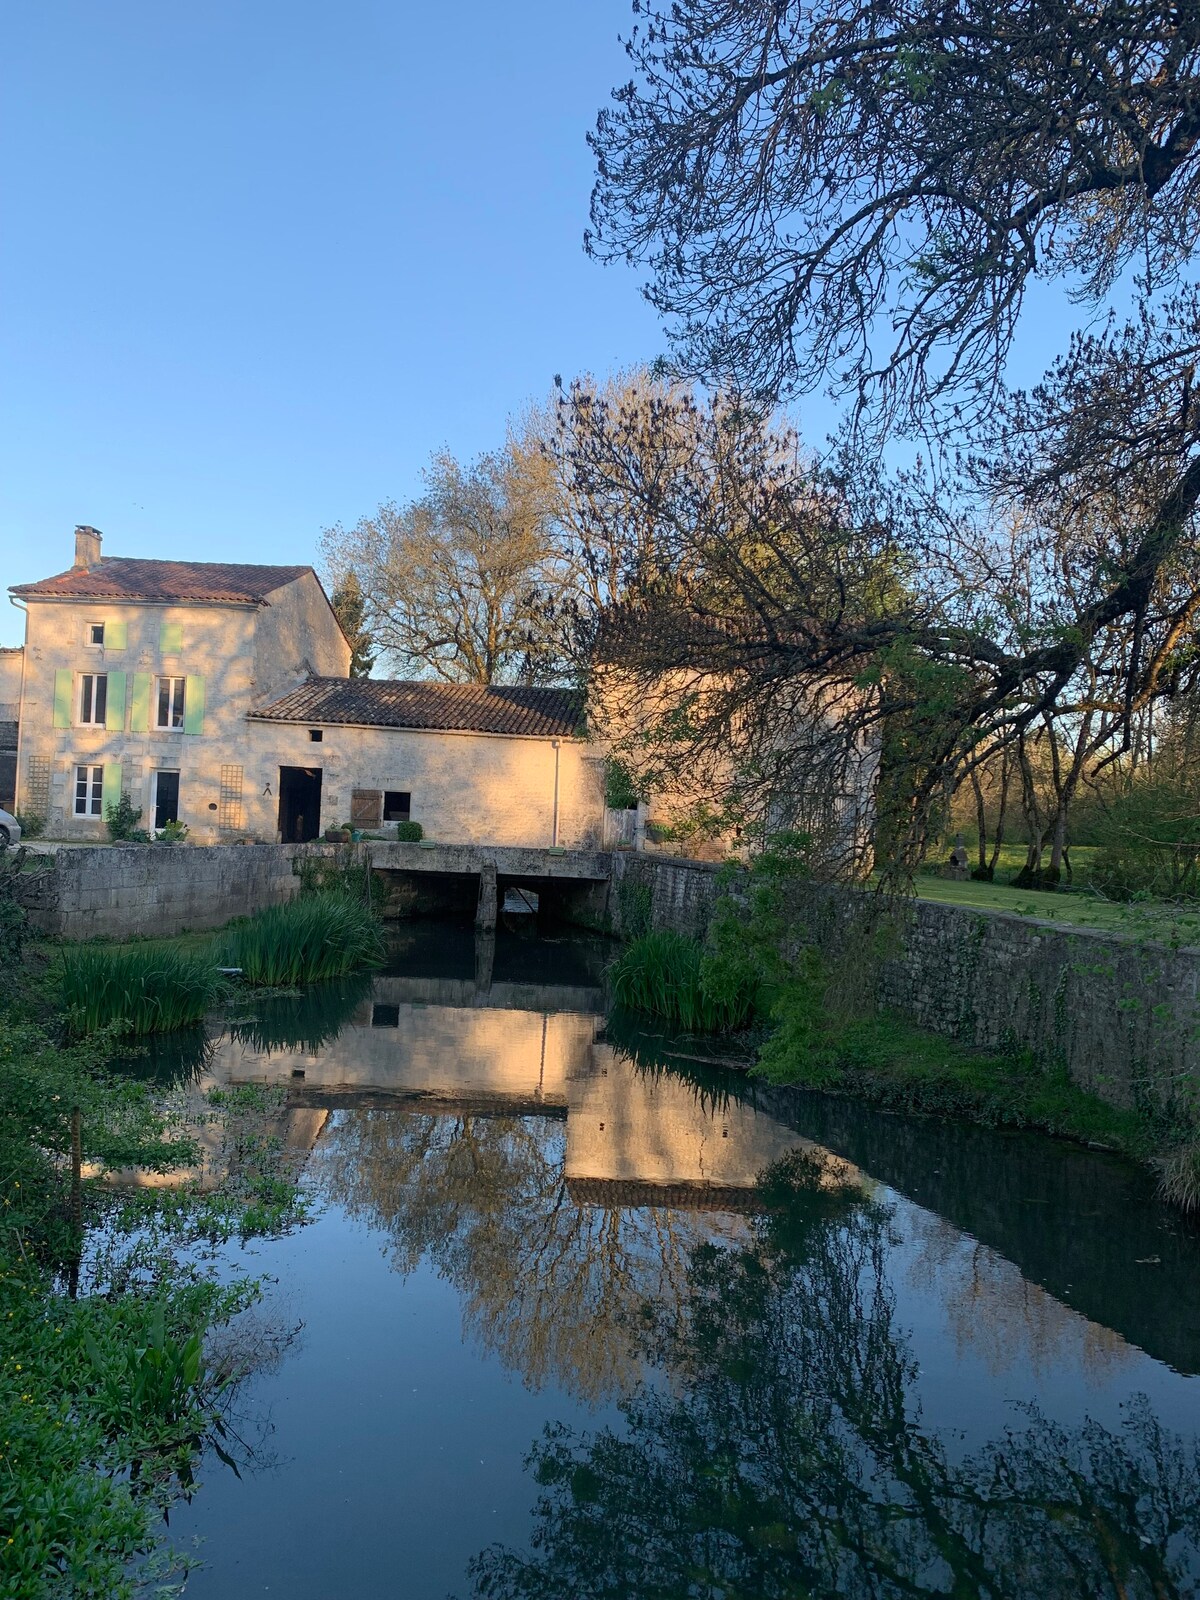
[427,1038]
[634,1137]
[639,1137]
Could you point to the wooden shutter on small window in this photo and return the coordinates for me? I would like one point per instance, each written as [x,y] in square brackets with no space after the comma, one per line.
[170,641]
[114,706]
[139,717]
[193,706]
[116,635]
[110,794]
[64,686]
[366,807]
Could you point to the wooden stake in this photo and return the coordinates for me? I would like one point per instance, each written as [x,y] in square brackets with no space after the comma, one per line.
[77,1170]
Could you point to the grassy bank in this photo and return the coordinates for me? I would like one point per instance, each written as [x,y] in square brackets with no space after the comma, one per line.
[1133,919]
[120,1361]
[893,1064]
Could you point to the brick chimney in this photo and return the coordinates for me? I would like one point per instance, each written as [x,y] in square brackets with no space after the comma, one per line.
[87,547]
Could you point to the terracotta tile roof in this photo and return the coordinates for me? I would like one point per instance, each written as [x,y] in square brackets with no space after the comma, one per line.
[126,578]
[464,707]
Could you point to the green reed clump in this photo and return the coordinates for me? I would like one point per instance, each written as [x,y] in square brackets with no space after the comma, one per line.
[138,989]
[665,974]
[316,936]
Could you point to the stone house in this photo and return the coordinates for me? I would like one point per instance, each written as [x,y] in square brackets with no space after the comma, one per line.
[217,694]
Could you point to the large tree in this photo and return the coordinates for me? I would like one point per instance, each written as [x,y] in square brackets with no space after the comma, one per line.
[770,595]
[861,191]
[454,581]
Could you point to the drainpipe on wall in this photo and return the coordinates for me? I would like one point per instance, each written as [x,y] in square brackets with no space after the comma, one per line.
[24,609]
[554,828]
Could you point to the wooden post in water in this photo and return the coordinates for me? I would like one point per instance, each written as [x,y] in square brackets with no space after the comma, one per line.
[77,1170]
[76,1201]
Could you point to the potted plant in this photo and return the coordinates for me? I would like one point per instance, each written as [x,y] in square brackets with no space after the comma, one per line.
[337,835]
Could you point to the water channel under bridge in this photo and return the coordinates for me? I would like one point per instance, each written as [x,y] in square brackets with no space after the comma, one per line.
[567,884]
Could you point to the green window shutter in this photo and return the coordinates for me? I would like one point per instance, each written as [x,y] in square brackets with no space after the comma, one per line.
[171,639]
[64,689]
[193,706]
[111,792]
[116,635]
[139,718]
[114,707]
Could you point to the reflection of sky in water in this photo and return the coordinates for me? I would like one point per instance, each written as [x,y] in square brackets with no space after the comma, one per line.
[515,1215]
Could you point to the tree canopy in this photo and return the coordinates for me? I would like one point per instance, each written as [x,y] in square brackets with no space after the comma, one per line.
[861,191]
[453,580]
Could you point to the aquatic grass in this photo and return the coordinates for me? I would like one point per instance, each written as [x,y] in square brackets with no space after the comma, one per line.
[1179,1176]
[137,990]
[665,974]
[306,940]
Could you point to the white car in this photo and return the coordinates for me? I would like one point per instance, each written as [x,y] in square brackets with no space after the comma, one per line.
[10,829]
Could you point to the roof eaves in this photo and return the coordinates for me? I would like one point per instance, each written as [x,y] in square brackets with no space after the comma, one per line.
[318,721]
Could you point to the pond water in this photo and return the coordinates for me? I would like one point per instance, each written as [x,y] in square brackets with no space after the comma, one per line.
[577,1318]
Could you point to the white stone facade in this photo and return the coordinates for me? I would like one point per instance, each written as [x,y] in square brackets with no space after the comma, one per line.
[177,733]
[230,658]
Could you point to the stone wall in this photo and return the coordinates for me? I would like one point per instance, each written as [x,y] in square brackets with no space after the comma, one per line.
[157,890]
[120,891]
[1122,1015]
[661,892]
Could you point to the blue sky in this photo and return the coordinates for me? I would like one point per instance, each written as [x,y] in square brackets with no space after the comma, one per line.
[258,260]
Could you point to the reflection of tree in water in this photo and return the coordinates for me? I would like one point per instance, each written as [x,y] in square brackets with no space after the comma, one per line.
[785,1458]
[993,1310]
[558,1290]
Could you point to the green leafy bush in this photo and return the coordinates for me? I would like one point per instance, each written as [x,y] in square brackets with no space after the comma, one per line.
[313,937]
[122,819]
[31,824]
[172,832]
[136,989]
[409,832]
[665,974]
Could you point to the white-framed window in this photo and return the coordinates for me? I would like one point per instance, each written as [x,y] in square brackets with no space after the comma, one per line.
[93,698]
[170,703]
[95,633]
[89,791]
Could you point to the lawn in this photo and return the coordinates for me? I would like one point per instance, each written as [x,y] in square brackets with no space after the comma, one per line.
[1080,908]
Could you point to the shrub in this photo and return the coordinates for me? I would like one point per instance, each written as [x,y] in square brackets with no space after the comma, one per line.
[1179,1176]
[31,824]
[666,975]
[138,990]
[316,936]
[172,833]
[409,832]
[122,818]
